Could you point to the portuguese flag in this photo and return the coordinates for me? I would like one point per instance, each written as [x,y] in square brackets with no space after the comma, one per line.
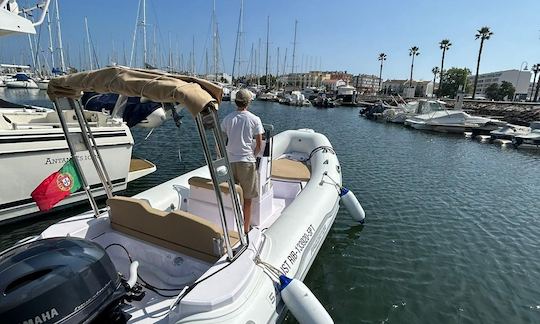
[57,186]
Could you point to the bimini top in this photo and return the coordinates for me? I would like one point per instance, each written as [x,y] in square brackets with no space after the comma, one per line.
[196,94]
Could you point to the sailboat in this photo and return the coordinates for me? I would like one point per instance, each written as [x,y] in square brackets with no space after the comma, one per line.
[174,253]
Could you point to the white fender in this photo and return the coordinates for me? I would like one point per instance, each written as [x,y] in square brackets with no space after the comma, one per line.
[353,206]
[304,306]
[133,274]
[155,119]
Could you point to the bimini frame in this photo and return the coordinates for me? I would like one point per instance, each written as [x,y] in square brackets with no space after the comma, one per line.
[199,96]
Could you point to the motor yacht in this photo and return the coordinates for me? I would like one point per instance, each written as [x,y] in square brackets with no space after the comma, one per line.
[403,111]
[453,121]
[347,95]
[529,139]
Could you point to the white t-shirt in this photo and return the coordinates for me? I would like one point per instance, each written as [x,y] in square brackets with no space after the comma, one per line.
[241,127]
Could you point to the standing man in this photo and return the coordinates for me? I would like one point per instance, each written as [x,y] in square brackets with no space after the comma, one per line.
[244,132]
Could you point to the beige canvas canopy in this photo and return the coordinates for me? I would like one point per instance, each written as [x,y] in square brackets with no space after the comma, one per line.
[192,92]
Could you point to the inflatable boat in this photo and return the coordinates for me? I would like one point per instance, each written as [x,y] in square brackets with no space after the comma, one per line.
[174,253]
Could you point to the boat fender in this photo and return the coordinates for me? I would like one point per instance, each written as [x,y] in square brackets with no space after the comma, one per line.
[353,206]
[133,274]
[302,303]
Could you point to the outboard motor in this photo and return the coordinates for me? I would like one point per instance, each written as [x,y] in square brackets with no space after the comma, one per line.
[66,280]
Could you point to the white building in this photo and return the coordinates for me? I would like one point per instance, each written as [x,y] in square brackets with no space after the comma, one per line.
[366,84]
[520,81]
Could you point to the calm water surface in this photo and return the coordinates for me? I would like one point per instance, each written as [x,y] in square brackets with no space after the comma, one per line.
[452,229]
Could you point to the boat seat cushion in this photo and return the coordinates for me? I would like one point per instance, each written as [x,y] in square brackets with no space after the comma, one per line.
[207,184]
[177,230]
[285,169]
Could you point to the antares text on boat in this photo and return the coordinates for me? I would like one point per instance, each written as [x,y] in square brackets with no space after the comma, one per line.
[179,242]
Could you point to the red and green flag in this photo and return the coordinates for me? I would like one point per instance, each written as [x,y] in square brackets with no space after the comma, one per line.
[57,186]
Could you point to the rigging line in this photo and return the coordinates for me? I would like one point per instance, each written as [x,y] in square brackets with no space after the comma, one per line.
[94,50]
[205,48]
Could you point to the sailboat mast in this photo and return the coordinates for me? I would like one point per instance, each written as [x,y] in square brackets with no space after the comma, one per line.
[51,46]
[267,43]
[259,64]
[277,69]
[206,65]
[285,64]
[215,40]
[171,67]
[251,59]
[193,57]
[144,33]
[155,58]
[238,48]
[294,49]
[59,35]
[131,56]
[88,44]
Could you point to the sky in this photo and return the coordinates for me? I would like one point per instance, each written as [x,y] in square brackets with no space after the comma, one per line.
[344,35]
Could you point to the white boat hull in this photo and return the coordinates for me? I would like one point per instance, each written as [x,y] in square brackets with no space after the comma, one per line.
[28,157]
[43,85]
[30,84]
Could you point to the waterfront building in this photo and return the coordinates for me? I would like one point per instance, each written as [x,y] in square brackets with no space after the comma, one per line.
[366,83]
[519,79]
[312,78]
[334,84]
[422,89]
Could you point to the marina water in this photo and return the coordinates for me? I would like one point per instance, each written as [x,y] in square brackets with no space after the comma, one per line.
[452,225]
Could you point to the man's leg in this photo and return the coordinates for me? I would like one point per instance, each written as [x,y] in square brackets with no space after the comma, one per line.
[247,214]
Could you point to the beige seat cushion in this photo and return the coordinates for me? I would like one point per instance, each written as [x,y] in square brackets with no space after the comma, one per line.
[286,169]
[207,184]
[178,230]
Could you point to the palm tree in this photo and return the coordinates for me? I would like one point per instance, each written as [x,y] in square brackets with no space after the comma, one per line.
[444,45]
[382,58]
[435,71]
[484,34]
[413,51]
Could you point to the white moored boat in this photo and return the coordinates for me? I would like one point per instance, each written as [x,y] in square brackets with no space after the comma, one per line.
[22,81]
[530,139]
[33,144]
[453,121]
[178,242]
[403,111]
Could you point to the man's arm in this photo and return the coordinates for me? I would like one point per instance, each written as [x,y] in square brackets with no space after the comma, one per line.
[258,139]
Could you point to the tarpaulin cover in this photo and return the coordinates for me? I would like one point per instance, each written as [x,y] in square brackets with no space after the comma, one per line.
[196,94]
[134,112]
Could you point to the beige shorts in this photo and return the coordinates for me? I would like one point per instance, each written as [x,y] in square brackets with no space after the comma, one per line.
[245,174]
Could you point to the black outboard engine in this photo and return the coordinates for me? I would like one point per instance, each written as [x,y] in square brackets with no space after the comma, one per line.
[66,280]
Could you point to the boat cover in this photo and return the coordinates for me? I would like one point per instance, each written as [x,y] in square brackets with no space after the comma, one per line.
[135,111]
[196,94]
[21,77]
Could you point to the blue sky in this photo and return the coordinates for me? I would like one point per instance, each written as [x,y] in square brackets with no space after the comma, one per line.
[342,34]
